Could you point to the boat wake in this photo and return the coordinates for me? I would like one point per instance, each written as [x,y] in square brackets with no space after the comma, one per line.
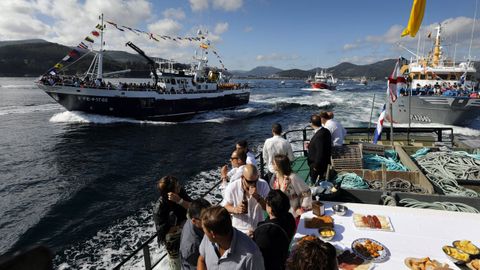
[109,246]
[86,118]
[28,109]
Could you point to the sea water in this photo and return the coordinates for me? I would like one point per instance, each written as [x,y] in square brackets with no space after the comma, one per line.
[84,185]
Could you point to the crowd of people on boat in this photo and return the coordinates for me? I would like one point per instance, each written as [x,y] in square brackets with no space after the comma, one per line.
[97,83]
[442,89]
[254,225]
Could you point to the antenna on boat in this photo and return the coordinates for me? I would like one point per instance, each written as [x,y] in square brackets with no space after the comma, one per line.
[100,53]
[473,29]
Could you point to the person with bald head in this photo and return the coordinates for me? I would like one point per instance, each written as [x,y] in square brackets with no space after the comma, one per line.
[245,199]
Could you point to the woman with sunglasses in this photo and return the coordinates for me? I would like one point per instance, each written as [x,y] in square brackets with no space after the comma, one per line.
[292,185]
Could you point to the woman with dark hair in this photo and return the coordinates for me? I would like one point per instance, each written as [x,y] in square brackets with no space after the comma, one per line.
[292,185]
[311,253]
[273,236]
[169,214]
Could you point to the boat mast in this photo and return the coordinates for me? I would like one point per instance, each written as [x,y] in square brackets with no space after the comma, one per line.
[437,52]
[473,30]
[100,53]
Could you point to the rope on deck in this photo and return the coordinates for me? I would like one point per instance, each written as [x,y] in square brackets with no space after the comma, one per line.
[444,167]
[448,206]
[398,184]
[391,161]
[350,181]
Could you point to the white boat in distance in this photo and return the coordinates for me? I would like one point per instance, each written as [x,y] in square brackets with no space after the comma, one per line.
[439,90]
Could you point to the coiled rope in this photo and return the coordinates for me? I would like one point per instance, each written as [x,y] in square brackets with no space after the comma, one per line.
[350,181]
[398,184]
[391,161]
[448,206]
[444,167]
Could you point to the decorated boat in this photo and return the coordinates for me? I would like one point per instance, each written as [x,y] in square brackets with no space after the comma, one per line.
[323,80]
[172,95]
[439,89]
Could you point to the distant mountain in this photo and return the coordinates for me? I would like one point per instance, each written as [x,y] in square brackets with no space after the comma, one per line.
[25,41]
[295,73]
[34,57]
[258,72]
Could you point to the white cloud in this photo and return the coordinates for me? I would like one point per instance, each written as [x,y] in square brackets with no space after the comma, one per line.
[351,46]
[165,27]
[198,5]
[174,13]
[221,28]
[228,5]
[276,57]
[248,29]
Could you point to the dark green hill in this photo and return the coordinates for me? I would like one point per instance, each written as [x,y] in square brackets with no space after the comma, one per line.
[33,59]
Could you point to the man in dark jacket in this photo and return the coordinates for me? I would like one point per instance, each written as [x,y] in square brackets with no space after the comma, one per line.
[169,214]
[273,236]
[319,149]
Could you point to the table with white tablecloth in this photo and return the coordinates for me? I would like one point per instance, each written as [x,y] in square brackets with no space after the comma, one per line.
[417,232]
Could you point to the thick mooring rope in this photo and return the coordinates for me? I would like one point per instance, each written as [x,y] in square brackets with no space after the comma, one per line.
[391,161]
[448,206]
[444,167]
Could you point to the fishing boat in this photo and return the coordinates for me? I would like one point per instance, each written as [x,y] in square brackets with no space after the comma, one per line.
[323,81]
[172,95]
[439,90]
[363,80]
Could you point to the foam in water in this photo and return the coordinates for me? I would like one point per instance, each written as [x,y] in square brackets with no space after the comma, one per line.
[82,117]
[108,247]
[28,109]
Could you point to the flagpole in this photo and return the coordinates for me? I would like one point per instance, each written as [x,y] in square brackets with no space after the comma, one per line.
[391,123]
[100,54]
[409,114]
[370,122]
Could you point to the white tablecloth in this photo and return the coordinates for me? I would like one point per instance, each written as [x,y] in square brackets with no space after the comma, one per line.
[417,232]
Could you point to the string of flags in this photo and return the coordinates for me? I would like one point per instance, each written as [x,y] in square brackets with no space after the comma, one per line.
[89,40]
[78,51]
[204,43]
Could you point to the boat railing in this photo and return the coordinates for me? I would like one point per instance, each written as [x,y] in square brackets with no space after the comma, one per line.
[295,136]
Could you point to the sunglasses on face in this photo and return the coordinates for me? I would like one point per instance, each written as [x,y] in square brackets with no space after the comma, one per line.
[233,158]
[250,181]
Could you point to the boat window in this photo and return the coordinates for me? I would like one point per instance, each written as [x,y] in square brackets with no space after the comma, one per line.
[422,76]
[173,81]
[443,76]
[206,86]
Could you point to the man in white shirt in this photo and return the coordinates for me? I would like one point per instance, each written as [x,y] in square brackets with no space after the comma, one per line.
[336,129]
[243,145]
[237,160]
[276,145]
[245,199]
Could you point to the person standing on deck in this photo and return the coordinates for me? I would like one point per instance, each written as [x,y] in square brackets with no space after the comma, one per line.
[225,248]
[169,215]
[336,129]
[273,236]
[244,199]
[192,235]
[238,159]
[275,145]
[319,149]
[243,145]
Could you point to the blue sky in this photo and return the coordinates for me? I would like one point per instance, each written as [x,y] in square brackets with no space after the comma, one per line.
[248,33]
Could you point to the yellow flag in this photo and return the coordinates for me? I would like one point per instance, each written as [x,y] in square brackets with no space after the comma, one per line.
[416,17]
[203,46]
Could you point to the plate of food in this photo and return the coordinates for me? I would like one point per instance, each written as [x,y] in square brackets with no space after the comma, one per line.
[467,247]
[474,264]
[372,222]
[424,264]
[370,250]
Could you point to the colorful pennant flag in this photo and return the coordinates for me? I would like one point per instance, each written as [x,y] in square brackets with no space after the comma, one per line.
[89,39]
[82,46]
[95,33]
[99,27]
